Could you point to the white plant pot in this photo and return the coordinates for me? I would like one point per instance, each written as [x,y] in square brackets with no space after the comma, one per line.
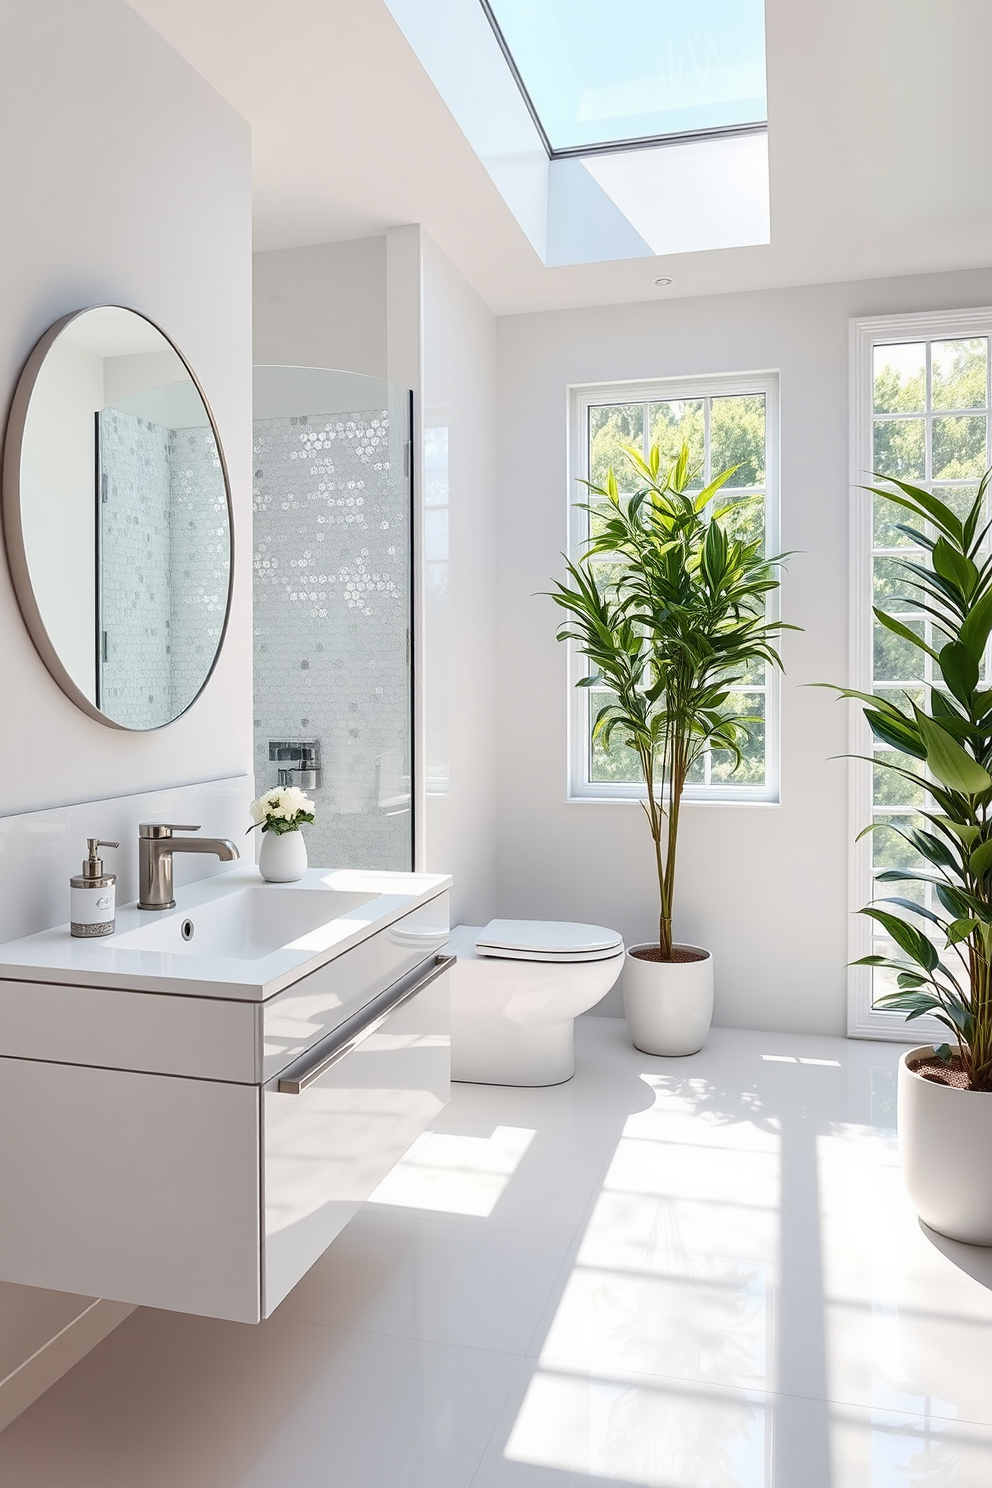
[668,1004]
[945,1138]
[282,858]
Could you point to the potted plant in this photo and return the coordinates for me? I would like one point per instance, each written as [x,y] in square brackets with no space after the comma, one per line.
[281,813]
[669,632]
[943,748]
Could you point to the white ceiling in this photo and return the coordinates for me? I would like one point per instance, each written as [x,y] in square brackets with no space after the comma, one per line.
[880,120]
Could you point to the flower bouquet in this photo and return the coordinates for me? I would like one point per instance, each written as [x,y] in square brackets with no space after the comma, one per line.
[281,813]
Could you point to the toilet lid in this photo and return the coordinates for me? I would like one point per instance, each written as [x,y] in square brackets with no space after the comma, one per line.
[548,940]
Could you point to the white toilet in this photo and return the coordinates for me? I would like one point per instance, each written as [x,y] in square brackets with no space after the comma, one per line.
[516,990]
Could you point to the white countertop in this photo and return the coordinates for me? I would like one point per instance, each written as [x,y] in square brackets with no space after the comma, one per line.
[56,956]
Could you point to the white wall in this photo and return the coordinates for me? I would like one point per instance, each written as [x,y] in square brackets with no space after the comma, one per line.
[459,651]
[764,886]
[323,306]
[126,180]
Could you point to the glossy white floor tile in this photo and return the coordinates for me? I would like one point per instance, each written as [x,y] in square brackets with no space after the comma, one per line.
[419,1277]
[696,1273]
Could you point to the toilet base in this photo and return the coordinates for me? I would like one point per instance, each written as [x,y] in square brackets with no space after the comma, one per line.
[513,1021]
[494,1051]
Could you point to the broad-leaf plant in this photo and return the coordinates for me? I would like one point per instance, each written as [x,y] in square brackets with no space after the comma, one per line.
[944,969]
[669,627]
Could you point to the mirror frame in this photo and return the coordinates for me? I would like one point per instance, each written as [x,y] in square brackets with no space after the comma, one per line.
[13,531]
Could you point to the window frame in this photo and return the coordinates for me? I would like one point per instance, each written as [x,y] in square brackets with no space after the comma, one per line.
[582,397]
[864,1020]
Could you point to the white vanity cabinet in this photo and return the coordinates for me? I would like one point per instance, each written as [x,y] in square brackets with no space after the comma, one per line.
[199,1153]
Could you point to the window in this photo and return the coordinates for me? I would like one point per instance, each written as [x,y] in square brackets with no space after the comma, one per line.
[727,421]
[920,413]
[603,74]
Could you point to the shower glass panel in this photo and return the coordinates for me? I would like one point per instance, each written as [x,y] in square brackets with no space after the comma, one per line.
[332,608]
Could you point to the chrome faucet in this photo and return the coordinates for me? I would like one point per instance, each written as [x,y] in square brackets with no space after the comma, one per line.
[156,845]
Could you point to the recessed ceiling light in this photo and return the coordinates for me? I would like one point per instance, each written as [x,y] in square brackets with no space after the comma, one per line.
[662,281]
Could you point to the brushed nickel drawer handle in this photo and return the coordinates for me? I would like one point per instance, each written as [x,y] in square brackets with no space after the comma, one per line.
[297,1083]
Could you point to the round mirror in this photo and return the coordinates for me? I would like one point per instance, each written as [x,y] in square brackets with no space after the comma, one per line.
[117,517]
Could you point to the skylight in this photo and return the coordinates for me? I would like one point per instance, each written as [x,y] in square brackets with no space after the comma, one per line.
[603,74]
[611,128]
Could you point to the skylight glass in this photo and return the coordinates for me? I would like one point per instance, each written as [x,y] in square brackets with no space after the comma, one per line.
[603,72]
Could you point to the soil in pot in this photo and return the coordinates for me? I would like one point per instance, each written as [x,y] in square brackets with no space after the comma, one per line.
[952,1073]
[679,954]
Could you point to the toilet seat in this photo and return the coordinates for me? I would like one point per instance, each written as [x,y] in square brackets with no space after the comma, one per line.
[548,941]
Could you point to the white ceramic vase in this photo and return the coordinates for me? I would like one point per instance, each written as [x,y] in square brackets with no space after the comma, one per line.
[945,1138]
[668,1004]
[282,858]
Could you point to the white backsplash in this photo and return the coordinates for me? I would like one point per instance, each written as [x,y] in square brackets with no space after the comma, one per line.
[40,850]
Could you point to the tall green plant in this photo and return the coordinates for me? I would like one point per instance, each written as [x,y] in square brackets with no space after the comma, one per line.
[946,970]
[669,630]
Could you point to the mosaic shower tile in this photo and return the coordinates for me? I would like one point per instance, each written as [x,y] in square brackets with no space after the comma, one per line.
[332,616]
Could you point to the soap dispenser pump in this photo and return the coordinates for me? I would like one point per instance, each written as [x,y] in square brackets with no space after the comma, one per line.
[94,894]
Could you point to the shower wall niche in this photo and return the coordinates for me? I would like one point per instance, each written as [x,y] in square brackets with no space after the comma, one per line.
[332,537]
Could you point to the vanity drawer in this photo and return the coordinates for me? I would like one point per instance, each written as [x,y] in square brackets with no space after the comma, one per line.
[139,1188]
[312,1008]
[207,1038]
[337,1121]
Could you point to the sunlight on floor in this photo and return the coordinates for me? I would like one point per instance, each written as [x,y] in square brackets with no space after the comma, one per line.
[654,1434]
[658,1345]
[455,1174]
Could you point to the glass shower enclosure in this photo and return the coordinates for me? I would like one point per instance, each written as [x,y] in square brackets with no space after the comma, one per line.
[333,616]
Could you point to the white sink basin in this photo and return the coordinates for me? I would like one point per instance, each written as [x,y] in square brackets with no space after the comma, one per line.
[246,924]
[233,932]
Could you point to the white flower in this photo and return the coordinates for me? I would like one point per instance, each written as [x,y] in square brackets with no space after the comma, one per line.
[282,803]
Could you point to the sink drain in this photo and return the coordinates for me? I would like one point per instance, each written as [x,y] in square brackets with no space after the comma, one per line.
[187,930]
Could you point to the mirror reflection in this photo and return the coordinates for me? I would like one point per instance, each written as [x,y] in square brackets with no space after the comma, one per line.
[124,521]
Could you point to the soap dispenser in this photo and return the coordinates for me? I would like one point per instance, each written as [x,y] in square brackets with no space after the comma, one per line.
[94,894]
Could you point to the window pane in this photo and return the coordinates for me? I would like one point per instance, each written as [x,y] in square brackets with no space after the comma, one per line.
[607,573]
[737,437]
[886,518]
[959,447]
[897,660]
[619,763]
[917,693]
[744,519]
[753,674]
[751,770]
[674,421]
[598,518]
[892,789]
[890,851]
[610,428]
[959,498]
[900,448]
[900,376]
[959,372]
[893,587]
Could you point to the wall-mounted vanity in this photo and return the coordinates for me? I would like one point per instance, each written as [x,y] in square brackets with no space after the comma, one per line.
[192,1110]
